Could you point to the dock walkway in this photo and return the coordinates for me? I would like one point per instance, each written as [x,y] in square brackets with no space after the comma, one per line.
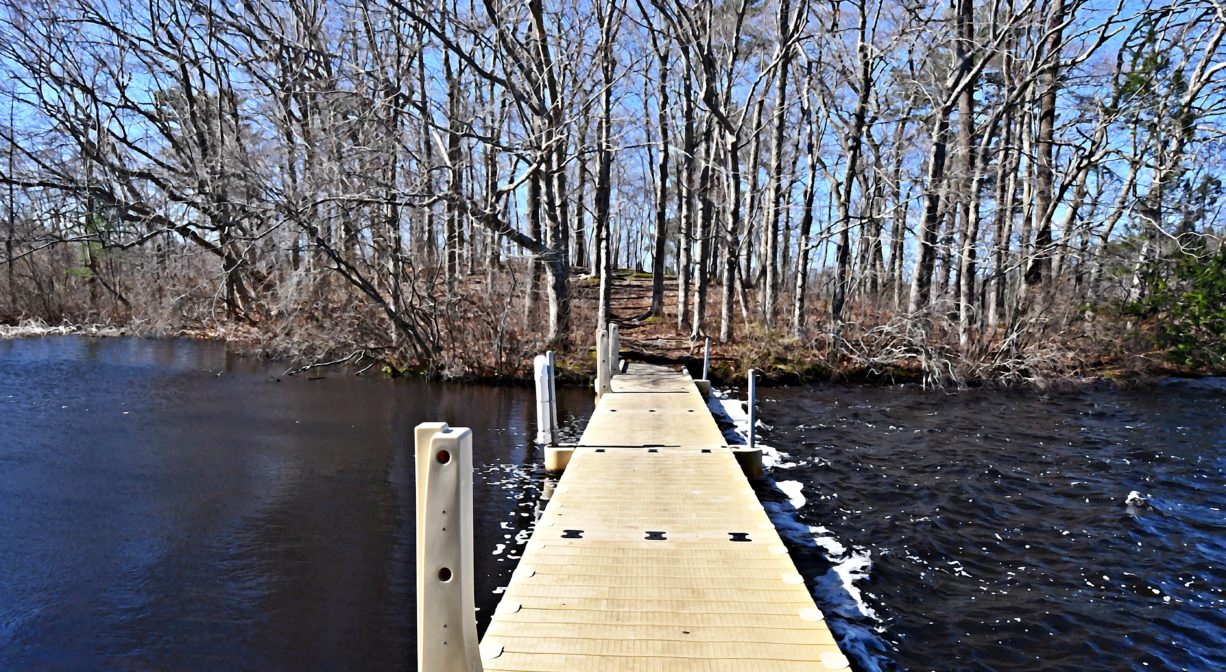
[654,553]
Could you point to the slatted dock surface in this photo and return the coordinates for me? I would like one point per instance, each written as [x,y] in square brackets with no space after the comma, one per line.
[655,554]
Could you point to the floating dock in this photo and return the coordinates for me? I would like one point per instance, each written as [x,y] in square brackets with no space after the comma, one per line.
[654,553]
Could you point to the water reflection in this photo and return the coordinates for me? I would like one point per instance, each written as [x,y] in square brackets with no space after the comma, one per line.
[165,505]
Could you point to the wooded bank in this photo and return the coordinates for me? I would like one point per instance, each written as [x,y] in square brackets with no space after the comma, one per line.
[1014,191]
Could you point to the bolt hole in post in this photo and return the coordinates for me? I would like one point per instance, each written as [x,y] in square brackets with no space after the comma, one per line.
[444,574]
[443,457]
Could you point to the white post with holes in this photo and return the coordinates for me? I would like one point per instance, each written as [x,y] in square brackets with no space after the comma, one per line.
[602,362]
[615,353]
[446,617]
[544,400]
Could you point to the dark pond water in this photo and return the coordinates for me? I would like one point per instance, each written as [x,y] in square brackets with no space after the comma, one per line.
[990,530]
[166,506]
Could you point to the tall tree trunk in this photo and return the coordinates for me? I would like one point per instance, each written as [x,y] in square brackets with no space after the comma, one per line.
[661,235]
[583,257]
[771,258]
[901,206]
[455,176]
[970,175]
[10,235]
[1024,249]
[1006,185]
[855,148]
[703,234]
[731,149]
[686,228]
[868,259]
[579,233]
[752,207]
[1040,265]
[426,236]
[921,280]
[535,206]
[604,166]
[550,178]
[806,226]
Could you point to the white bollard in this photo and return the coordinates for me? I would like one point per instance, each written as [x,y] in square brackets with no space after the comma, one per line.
[602,362]
[615,353]
[544,400]
[553,395]
[753,403]
[446,616]
[706,360]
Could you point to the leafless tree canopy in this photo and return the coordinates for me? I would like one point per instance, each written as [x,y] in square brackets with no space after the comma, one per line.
[441,183]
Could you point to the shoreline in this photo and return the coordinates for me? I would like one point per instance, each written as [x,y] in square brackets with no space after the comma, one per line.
[40,329]
[574,371]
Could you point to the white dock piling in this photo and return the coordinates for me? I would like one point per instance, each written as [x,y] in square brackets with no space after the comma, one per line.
[753,405]
[704,384]
[602,362]
[615,360]
[553,394]
[446,617]
[556,457]
[544,401]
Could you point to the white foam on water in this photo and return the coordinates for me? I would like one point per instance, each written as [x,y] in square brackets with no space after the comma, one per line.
[794,490]
[854,623]
[848,565]
[856,626]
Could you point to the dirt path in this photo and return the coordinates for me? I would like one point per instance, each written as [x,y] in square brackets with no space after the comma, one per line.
[644,338]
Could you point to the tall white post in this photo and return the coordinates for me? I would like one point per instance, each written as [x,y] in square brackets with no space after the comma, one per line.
[446,616]
[706,360]
[544,400]
[753,404]
[602,362]
[615,358]
[553,395]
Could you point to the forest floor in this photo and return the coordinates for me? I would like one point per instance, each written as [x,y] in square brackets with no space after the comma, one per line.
[874,345]
[776,356]
[659,340]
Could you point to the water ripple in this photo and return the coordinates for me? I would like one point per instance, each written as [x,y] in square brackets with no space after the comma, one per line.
[997,523]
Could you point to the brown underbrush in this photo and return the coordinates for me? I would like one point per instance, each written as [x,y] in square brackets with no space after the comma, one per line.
[488,326]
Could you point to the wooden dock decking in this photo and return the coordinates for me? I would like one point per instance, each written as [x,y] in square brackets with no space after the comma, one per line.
[655,554]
